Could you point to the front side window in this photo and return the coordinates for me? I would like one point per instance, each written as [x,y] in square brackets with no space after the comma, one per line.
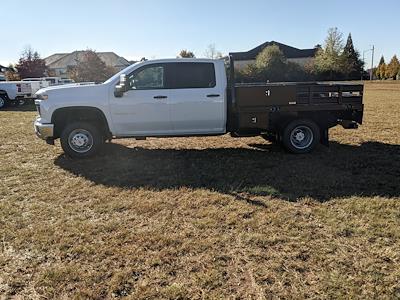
[150,77]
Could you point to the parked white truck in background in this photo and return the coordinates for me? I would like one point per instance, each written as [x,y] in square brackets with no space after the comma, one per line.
[51,81]
[42,81]
[191,97]
[14,93]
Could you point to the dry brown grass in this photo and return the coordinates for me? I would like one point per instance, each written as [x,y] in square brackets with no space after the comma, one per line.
[204,217]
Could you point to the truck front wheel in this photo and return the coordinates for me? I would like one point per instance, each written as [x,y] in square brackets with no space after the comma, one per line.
[3,101]
[301,136]
[81,140]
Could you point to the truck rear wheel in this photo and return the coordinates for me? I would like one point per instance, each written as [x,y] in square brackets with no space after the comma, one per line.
[301,136]
[81,140]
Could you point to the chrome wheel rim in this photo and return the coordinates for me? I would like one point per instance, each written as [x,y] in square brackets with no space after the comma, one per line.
[1,102]
[80,140]
[301,137]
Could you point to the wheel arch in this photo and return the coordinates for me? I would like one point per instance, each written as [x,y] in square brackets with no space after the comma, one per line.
[324,120]
[4,93]
[63,116]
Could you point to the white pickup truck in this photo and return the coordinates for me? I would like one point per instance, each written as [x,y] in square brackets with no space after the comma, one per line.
[191,97]
[17,92]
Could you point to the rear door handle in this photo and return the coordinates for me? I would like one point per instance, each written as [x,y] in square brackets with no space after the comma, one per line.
[213,95]
[160,97]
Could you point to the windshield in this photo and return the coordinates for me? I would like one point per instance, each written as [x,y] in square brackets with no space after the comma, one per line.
[119,73]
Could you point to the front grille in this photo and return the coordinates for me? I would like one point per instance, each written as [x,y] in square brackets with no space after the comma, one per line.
[38,108]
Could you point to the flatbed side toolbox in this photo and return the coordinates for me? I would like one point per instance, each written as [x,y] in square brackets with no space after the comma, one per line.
[265,95]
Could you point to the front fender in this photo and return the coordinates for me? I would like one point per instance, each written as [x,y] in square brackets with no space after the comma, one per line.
[10,91]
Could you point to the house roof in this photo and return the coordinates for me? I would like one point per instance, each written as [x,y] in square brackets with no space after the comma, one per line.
[288,51]
[63,60]
[52,58]
[4,68]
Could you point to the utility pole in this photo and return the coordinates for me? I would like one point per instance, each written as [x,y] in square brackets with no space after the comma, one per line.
[371,73]
[362,71]
[372,63]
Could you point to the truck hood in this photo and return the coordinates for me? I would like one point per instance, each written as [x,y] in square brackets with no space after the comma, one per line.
[74,95]
[65,86]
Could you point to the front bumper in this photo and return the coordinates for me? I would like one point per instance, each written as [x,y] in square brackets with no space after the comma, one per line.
[43,130]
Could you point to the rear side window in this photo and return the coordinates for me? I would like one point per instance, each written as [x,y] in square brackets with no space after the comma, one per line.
[190,75]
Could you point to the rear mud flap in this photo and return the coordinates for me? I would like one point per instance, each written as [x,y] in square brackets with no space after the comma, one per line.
[325,137]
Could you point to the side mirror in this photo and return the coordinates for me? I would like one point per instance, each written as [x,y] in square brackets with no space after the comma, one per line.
[121,88]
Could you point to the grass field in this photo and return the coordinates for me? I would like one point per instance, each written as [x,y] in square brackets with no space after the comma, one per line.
[203,218]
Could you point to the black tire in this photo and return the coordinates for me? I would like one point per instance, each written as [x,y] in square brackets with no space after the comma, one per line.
[13,103]
[81,140]
[3,101]
[301,136]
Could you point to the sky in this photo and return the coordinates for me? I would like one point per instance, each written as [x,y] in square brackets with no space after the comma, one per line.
[160,29]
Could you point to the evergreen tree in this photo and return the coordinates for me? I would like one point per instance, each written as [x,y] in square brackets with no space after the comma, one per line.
[393,68]
[380,72]
[351,62]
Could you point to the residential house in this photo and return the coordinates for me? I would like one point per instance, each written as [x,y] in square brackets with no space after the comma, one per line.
[59,63]
[3,71]
[299,56]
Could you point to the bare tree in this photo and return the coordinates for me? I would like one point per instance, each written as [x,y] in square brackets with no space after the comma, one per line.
[212,52]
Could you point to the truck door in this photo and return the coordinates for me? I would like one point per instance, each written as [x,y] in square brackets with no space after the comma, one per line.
[144,108]
[197,98]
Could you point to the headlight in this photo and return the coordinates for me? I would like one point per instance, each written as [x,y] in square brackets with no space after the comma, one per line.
[42,96]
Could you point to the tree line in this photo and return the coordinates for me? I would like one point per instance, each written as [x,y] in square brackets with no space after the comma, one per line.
[334,60]
[89,67]
[388,71]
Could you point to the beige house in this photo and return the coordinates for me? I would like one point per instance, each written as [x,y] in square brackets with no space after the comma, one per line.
[299,56]
[59,63]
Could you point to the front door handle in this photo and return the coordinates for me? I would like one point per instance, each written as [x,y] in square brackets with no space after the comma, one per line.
[213,95]
[160,97]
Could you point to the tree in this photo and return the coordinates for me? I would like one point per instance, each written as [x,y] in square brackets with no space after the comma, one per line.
[352,64]
[30,64]
[186,54]
[381,69]
[212,52]
[91,68]
[393,68]
[271,65]
[11,74]
[328,61]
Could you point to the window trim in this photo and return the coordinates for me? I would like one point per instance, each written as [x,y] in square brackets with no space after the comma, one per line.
[138,70]
[167,67]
